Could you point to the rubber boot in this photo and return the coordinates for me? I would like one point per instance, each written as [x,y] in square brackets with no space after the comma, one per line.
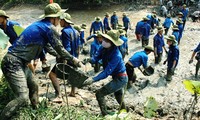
[197,69]
[102,105]
[120,101]
[12,107]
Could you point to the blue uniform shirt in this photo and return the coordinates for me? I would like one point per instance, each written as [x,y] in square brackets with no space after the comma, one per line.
[106,23]
[138,27]
[94,47]
[159,43]
[145,30]
[70,40]
[173,54]
[197,49]
[34,38]
[114,19]
[139,58]
[96,26]
[126,21]
[124,47]
[82,39]
[185,13]
[176,34]
[113,63]
[167,23]
[180,27]
[10,32]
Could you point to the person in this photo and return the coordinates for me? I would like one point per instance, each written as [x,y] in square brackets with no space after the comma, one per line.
[167,23]
[172,57]
[159,45]
[113,65]
[185,12]
[180,15]
[145,32]
[82,35]
[152,20]
[138,59]
[106,23]
[126,22]
[124,47]
[80,42]
[196,53]
[138,30]
[179,22]
[8,26]
[70,40]
[96,44]
[24,49]
[175,32]
[169,6]
[97,25]
[163,11]
[114,20]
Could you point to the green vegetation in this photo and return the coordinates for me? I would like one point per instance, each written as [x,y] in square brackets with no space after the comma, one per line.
[54,112]
[64,3]
[194,88]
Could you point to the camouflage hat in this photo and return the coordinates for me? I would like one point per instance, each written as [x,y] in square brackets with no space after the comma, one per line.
[154,15]
[83,26]
[171,38]
[98,33]
[175,27]
[97,19]
[149,48]
[78,28]
[124,14]
[107,14]
[179,20]
[114,13]
[3,13]
[51,10]
[145,18]
[154,12]
[122,32]
[180,13]
[160,28]
[113,36]
[119,26]
[168,15]
[66,17]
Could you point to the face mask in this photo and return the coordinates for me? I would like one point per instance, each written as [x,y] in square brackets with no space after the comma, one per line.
[106,44]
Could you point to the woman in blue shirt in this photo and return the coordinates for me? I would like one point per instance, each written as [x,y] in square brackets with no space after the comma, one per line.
[197,57]
[113,65]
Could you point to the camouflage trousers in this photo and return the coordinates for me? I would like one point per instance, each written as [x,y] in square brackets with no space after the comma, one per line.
[21,81]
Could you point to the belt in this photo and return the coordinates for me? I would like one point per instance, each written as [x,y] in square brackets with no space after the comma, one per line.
[122,74]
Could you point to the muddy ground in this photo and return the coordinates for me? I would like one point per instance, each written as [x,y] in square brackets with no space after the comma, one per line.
[172,97]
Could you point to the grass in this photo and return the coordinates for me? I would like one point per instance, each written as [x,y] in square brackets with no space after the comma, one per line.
[54,112]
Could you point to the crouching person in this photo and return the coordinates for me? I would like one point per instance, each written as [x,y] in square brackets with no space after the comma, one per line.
[113,65]
[138,59]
